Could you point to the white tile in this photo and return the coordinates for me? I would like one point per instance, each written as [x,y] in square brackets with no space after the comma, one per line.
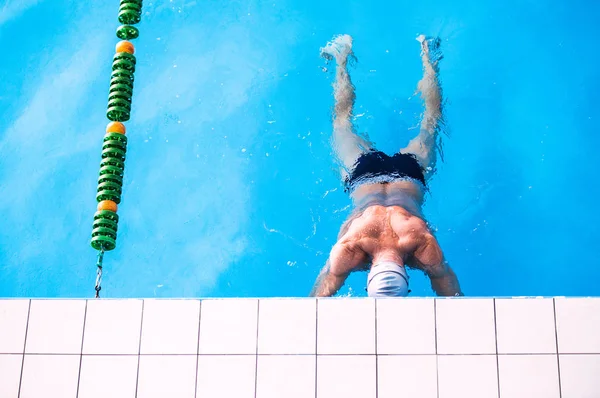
[287,326]
[10,369]
[228,326]
[526,376]
[525,326]
[405,326]
[55,327]
[112,327]
[577,325]
[289,376]
[346,376]
[50,376]
[172,376]
[226,376]
[413,376]
[13,323]
[465,326]
[579,376]
[467,376]
[346,326]
[170,327]
[111,376]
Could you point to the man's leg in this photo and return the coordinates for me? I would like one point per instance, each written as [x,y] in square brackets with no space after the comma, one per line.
[424,145]
[347,144]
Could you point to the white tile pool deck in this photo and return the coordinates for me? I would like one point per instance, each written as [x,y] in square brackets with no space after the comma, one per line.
[301,348]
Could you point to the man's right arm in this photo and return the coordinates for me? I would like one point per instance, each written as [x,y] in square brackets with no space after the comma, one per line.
[343,259]
[327,283]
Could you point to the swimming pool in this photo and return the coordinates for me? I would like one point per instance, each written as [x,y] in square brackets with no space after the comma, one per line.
[230,185]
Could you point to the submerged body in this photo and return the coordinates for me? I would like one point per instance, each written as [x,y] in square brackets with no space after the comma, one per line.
[388,227]
[386,231]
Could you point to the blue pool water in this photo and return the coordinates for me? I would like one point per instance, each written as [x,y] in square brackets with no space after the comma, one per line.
[230,186]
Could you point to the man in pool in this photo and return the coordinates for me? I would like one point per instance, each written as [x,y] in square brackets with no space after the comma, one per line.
[386,232]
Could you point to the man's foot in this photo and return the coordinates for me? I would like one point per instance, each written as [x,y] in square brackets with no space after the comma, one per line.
[430,47]
[340,48]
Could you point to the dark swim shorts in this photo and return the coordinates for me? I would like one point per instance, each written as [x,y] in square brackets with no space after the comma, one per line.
[373,164]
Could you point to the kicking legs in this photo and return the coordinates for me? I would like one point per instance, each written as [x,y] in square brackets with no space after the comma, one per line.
[424,145]
[347,144]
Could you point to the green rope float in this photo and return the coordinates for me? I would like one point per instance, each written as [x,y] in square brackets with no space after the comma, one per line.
[110,181]
[130,12]
[114,145]
[104,232]
[121,87]
[127,32]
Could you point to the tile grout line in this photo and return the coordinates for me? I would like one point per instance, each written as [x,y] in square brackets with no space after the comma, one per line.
[81,354]
[256,352]
[557,352]
[139,356]
[198,347]
[24,345]
[316,342]
[376,355]
[437,367]
[300,355]
[496,344]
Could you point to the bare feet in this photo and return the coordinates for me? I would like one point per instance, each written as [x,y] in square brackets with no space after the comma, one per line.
[340,48]
[430,49]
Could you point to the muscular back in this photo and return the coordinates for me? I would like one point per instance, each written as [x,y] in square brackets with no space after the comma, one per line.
[388,233]
[386,227]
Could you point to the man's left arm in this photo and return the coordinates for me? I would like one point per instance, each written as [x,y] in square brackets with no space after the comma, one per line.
[430,259]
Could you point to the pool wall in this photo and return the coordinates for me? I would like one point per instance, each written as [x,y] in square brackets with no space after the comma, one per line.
[301,348]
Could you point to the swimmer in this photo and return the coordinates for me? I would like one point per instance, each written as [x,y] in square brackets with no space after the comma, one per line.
[386,231]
